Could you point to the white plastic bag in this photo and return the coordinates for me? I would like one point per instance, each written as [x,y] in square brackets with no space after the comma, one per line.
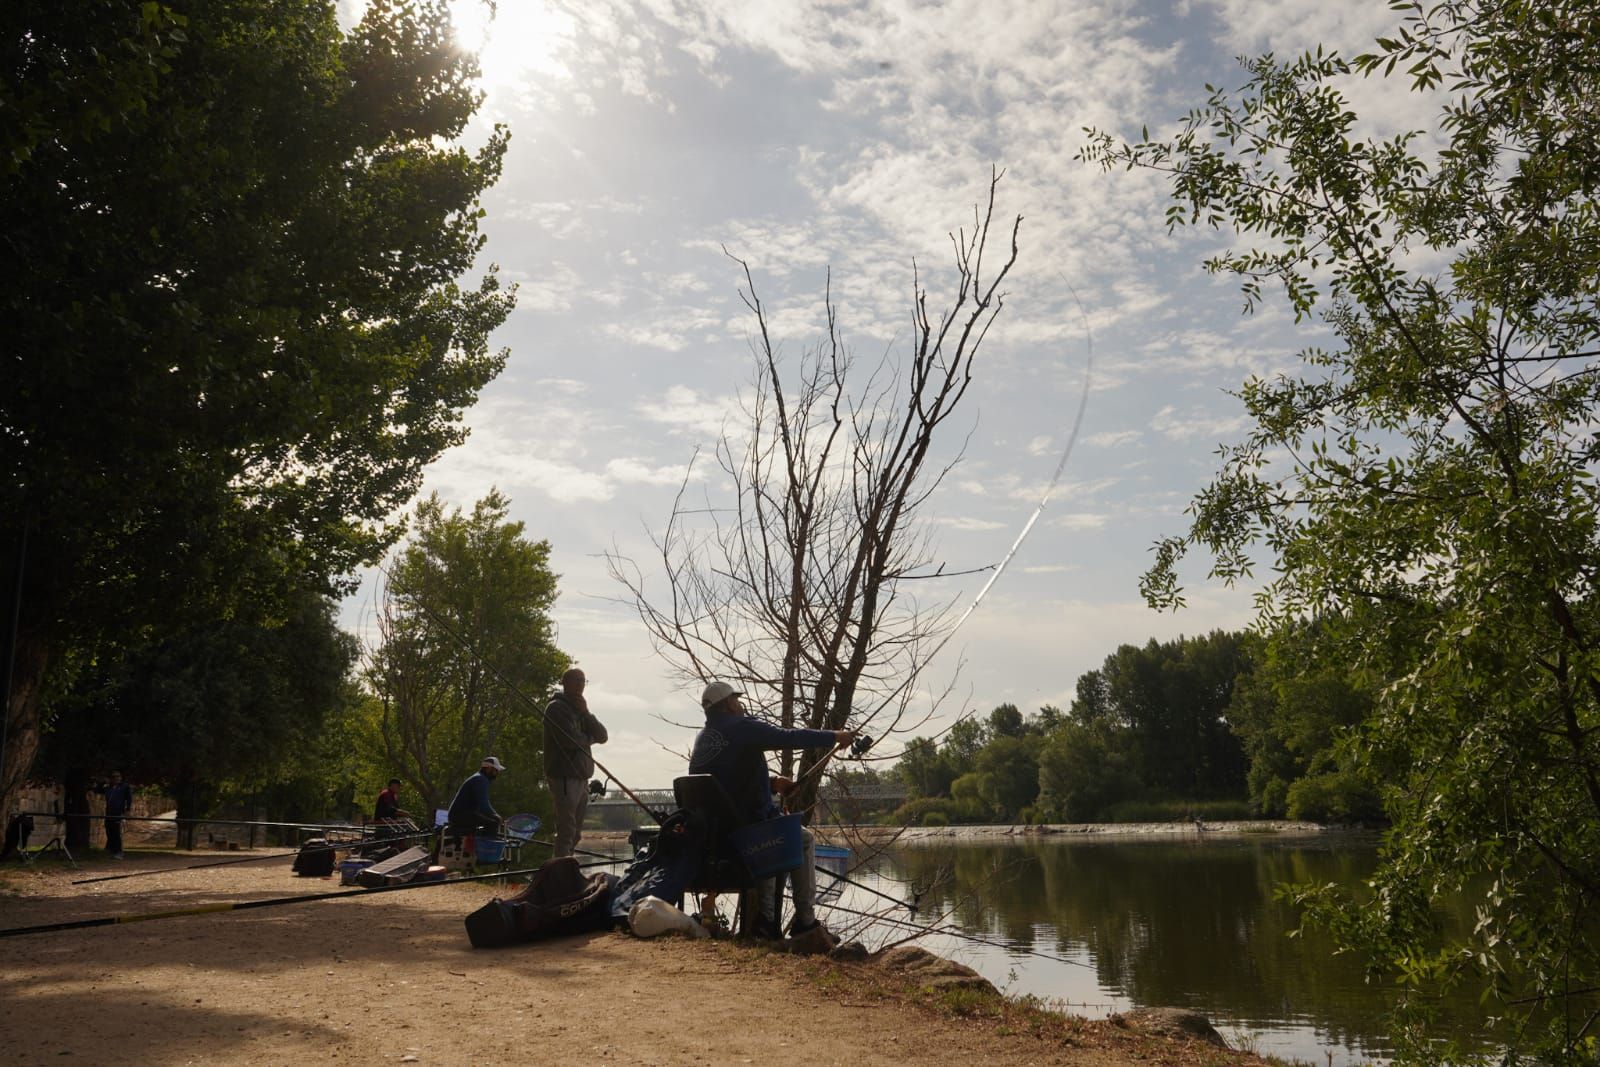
[653,916]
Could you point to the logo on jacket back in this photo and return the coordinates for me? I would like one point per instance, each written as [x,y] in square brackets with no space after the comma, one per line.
[707,747]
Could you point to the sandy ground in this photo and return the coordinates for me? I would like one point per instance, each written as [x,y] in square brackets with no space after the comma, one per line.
[391,978]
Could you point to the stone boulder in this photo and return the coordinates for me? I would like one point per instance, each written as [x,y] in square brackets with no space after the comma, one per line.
[1180,1023]
[931,970]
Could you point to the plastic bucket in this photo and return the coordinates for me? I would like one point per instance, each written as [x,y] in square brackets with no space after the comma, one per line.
[348,869]
[770,847]
[490,850]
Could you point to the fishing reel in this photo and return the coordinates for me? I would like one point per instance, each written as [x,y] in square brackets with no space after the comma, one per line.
[597,788]
[861,746]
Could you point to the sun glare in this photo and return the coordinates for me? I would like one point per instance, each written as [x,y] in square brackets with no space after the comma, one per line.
[514,39]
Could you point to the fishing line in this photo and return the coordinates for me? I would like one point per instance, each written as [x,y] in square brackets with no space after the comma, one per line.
[1022,535]
[962,934]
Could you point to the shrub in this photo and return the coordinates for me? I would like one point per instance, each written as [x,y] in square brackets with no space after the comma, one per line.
[935,818]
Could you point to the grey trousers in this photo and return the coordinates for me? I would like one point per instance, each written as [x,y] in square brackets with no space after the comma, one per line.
[571,796]
[804,881]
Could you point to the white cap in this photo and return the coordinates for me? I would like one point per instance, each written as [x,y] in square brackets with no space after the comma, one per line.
[491,761]
[716,693]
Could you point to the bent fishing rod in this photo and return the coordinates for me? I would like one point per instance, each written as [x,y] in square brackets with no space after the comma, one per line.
[247,905]
[516,690]
[363,843]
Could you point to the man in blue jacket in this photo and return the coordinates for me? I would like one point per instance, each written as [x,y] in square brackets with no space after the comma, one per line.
[732,749]
[470,811]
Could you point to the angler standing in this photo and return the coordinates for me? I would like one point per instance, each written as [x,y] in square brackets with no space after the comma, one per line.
[119,800]
[732,748]
[569,732]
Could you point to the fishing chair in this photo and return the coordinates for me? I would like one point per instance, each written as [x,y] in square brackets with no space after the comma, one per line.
[722,870]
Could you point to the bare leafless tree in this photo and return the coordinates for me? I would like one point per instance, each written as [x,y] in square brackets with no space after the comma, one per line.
[803,586]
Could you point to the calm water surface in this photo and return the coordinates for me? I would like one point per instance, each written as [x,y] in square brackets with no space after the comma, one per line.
[1185,922]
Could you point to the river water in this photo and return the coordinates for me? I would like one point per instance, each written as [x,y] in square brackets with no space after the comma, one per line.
[1103,925]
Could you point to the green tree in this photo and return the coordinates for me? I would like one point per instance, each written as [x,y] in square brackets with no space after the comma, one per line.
[1084,768]
[924,771]
[1171,699]
[467,643]
[235,701]
[233,334]
[1426,485]
[1008,772]
[1291,713]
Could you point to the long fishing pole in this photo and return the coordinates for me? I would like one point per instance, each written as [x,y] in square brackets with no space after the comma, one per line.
[962,934]
[909,905]
[363,843]
[197,821]
[271,902]
[517,691]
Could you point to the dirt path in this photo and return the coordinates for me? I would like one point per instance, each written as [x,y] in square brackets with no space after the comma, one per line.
[391,978]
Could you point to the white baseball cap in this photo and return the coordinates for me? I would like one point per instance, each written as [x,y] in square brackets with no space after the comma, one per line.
[716,693]
[491,761]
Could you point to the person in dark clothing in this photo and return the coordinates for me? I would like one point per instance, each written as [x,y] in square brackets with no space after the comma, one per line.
[732,749]
[569,732]
[470,811]
[388,807]
[119,801]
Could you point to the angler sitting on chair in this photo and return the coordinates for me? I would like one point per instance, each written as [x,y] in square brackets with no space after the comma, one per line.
[732,749]
[470,811]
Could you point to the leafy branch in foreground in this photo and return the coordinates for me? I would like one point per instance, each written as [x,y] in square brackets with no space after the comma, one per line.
[1425,486]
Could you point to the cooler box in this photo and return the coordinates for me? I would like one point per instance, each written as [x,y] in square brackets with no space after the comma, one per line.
[770,847]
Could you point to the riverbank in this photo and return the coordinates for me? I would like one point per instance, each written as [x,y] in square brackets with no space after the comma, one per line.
[945,834]
[391,978]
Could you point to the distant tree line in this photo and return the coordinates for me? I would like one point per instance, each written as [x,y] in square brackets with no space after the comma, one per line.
[1224,725]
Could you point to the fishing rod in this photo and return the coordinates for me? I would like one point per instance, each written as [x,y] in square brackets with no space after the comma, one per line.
[911,905]
[196,821]
[962,934]
[363,843]
[271,902]
[575,851]
[658,816]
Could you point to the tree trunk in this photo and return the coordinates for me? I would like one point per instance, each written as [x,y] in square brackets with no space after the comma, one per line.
[75,806]
[30,658]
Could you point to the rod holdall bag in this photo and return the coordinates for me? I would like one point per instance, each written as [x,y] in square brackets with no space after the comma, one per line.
[315,859]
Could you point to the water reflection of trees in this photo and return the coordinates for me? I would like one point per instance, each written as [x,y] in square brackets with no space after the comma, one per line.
[1189,922]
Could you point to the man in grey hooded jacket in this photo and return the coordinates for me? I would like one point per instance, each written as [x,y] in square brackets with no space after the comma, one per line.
[569,731]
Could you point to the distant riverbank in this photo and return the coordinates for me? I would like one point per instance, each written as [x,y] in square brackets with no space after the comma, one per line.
[948,834]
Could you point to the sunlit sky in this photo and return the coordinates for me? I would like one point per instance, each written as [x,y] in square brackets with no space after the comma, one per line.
[804,136]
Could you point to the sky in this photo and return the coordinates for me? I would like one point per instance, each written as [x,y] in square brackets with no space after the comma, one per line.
[854,138]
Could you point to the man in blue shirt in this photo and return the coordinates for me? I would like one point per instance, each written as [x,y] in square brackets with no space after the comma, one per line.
[119,800]
[732,749]
[470,811]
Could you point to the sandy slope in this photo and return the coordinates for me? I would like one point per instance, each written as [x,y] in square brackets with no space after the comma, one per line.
[391,978]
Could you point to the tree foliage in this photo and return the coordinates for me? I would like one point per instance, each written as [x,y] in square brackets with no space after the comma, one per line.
[1426,484]
[235,703]
[467,645]
[233,331]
